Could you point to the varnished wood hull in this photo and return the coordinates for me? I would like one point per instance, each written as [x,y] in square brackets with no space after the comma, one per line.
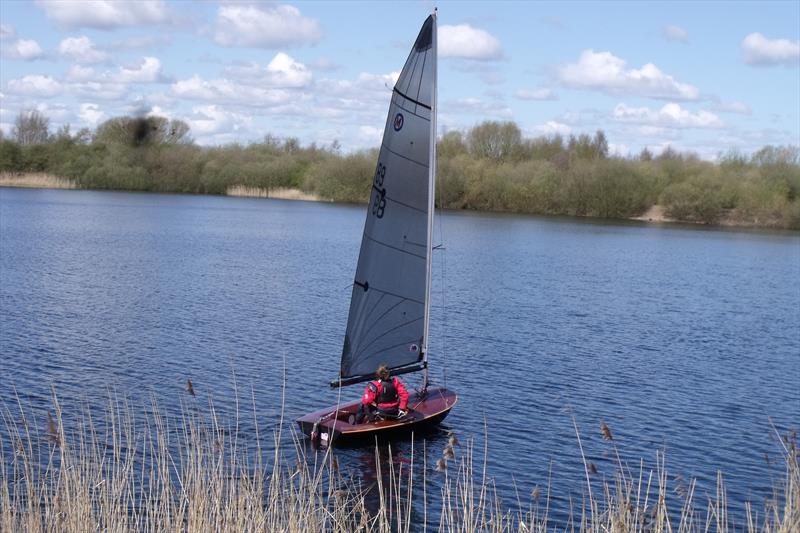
[333,426]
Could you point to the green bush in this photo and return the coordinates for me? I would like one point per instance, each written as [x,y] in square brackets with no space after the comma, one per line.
[343,179]
[695,200]
[10,156]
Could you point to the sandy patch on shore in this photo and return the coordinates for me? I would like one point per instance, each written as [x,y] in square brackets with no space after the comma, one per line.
[35,180]
[281,193]
[654,214]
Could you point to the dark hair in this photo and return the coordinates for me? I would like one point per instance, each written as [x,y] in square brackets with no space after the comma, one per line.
[382,372]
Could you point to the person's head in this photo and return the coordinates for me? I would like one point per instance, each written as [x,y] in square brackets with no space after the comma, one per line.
[382,372]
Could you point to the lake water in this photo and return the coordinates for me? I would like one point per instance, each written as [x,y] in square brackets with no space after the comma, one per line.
[682,339]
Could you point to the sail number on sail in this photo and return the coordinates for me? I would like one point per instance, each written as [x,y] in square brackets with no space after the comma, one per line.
[379,205]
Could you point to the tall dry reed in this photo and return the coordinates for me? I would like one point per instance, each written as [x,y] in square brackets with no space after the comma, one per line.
[35,180]
[194,473]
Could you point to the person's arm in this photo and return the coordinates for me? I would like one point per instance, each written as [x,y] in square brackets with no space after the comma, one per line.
[402,393]
[370,394]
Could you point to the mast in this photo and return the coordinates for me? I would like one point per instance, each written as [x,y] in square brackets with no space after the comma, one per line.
[431,201]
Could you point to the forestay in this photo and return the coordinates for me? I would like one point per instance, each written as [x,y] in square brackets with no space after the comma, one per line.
[388,312]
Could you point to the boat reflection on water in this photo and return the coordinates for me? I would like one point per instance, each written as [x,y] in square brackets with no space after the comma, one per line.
[387,474]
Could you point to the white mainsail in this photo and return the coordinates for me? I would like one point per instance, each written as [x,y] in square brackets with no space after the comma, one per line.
[389,305]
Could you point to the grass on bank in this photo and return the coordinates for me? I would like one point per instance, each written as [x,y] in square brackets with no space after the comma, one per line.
[151,473]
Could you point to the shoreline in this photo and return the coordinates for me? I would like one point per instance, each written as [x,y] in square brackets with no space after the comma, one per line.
[655,215]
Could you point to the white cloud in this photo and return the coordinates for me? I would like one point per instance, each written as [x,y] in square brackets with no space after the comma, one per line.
[536,94]
[670,116]
[286,72]
[265,26]
[366,87]
[157,111]
[759,50]
[733,107]
[7,32]
[103,89]
[488,109]
[55,112]
[104,14]
[675,34]
[144,41]
[200,89]
[148,71]
[488,72]
[78,73]
[467,42]
[25,49]
[35,85]
[552,127]
[654,132]
[86,82]
[217,90]
[324,64]
[603,71]
[618,149]
[369,136]
[81,50]
[212,119]
[91,114]
[282,71]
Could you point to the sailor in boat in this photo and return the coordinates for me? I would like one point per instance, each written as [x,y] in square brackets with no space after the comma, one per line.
[385,397]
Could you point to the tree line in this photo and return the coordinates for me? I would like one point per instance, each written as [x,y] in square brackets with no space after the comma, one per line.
[491,167]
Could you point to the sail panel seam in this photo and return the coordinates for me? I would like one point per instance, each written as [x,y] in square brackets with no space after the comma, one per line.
[413,70]
[405,205]
[377,320]
[384,145]
[398,91]
[393,247]
[397,102]
[396,295]
[422,75]
[387,332]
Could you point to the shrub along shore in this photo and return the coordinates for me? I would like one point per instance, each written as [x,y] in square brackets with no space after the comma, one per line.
[492,167]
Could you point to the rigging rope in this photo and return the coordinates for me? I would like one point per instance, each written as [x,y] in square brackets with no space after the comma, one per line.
[444,294]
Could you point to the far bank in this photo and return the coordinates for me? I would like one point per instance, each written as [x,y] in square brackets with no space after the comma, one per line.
[656,214]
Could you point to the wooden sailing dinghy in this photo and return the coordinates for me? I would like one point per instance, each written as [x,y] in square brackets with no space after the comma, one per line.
[390,304]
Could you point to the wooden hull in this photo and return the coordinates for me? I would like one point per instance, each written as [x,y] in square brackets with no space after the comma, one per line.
[334,426]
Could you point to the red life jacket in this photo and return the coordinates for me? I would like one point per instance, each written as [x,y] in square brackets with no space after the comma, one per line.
[386,394]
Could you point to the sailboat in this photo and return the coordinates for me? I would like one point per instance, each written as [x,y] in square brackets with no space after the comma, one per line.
[389,316]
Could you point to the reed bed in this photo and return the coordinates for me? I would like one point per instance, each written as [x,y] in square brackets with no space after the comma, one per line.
[195,473]
[282,193]
[35,180]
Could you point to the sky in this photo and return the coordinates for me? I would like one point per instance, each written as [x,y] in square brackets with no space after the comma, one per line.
[706,77]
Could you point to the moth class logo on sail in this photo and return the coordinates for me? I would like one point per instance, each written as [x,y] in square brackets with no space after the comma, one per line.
[398,122]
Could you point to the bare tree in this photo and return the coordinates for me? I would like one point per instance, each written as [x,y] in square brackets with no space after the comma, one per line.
[31,127]
[495,140]
[600,145]
[144,131]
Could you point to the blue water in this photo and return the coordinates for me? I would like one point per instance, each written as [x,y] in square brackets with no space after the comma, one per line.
[681,339]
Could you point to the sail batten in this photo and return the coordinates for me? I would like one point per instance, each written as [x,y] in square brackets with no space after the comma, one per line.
[388,318]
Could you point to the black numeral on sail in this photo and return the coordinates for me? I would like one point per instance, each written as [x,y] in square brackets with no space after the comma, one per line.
[380,173]
[379,204]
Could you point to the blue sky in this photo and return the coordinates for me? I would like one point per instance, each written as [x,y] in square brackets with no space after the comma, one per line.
[706,77]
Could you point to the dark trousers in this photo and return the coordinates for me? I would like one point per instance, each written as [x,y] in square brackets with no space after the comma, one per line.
[368,413]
